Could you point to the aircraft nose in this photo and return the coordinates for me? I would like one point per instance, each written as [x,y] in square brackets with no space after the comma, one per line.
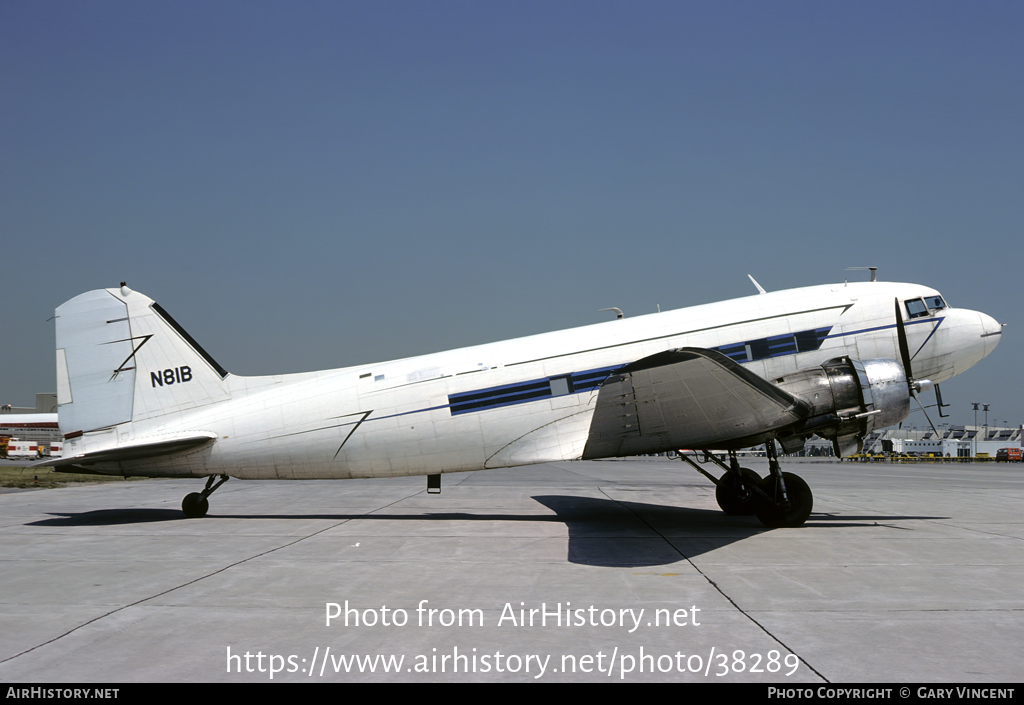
[991,332]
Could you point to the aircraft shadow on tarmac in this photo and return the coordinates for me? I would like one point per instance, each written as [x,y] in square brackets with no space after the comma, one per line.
[602,532]
[110,517]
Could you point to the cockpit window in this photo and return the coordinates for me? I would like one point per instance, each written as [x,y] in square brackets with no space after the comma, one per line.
[934,302]
[916,308]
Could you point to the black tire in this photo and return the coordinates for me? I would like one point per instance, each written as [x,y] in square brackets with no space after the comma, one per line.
[195,505]
[728,495]
[801,501]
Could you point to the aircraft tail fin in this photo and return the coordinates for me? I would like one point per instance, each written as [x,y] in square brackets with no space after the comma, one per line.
[121,358]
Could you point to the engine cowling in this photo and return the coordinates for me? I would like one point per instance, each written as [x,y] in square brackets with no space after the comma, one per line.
[847,399]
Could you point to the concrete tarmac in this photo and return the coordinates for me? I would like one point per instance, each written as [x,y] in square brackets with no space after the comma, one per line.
[628,570]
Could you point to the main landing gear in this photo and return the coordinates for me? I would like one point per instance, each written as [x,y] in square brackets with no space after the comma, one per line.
[779,500]
[195,505]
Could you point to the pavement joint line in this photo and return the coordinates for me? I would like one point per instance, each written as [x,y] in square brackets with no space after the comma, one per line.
[204,577]
[717,587]
[979,531]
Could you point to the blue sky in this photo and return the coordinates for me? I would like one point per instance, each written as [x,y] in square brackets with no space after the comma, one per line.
[312,185]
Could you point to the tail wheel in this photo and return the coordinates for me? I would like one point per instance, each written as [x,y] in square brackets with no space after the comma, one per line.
[777,514]
[734,499]
[195,505]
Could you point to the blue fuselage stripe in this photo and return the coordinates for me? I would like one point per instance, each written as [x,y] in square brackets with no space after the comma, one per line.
[589,380]
[532,390]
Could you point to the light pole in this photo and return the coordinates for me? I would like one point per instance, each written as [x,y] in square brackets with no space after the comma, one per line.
[974,450]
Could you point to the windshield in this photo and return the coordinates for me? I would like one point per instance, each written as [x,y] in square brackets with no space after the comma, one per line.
[916,308]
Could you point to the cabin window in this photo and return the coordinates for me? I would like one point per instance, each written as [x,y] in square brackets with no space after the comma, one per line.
[935,302]
[916,308]
[560,386]
[758,349]
[807,340]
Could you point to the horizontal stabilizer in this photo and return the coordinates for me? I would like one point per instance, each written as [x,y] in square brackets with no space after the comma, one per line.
[136,451]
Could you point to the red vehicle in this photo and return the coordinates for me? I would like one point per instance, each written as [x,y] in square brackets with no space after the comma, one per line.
[1008,455]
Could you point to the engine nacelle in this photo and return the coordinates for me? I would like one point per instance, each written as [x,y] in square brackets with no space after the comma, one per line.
[848,399]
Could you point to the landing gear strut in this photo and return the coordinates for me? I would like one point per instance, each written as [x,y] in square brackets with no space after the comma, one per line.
[195,504]
[736,489]
[781,499]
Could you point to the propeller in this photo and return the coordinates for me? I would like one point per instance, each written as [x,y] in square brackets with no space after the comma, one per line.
[916,386]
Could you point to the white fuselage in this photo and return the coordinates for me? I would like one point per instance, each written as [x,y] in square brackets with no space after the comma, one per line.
[527,400]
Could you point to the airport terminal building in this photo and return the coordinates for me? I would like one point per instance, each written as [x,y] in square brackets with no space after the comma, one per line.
[37,424]
[950,442]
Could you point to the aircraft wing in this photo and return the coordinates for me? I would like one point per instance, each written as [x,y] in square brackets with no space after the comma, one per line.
[687,398]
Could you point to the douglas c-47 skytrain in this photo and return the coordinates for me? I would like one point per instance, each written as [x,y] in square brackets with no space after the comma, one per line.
[138,396]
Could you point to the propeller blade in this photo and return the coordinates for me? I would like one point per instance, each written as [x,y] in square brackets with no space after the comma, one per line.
[901,335]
